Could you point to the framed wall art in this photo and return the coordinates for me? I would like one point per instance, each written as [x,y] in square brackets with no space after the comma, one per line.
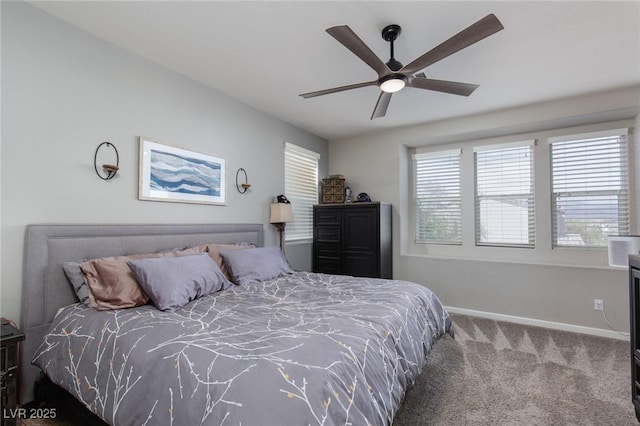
[169,173]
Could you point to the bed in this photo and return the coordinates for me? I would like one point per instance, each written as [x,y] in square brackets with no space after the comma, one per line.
[297,348]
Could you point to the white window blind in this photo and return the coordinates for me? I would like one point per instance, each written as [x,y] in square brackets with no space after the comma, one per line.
[437,197]
[301,189]
[590,188]
[504,195]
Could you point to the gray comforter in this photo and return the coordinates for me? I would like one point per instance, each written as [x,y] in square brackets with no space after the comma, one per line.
[306,349]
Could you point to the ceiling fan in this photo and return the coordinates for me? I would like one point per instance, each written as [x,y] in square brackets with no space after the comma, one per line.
[393,76]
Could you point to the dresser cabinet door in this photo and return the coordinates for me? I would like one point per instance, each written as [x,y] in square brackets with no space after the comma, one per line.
[360,236]
[360,229]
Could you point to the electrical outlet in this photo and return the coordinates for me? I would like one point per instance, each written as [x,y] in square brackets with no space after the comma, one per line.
[598,304]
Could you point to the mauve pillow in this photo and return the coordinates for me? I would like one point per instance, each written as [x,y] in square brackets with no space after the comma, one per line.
[214,251]
[256,264]
[112,284]
[172,282]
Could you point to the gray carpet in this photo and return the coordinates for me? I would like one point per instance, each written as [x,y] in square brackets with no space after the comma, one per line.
[498,373]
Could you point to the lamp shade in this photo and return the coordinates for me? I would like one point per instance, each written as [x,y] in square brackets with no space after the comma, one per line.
[281,213]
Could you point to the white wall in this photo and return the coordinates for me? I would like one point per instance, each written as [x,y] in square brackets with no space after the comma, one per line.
[65,91]
[557,293]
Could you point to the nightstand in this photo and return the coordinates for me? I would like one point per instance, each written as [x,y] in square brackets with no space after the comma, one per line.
[11,336]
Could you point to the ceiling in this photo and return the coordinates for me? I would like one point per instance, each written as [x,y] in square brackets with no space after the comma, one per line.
[265,53]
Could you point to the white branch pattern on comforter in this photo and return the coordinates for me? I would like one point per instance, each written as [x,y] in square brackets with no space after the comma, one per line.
[305,349]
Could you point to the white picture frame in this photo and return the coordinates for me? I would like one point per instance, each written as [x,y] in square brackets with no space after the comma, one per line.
[172,174]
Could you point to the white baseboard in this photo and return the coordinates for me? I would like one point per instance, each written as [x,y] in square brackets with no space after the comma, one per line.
[541,323]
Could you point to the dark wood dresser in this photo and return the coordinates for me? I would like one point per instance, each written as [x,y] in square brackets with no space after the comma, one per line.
[352,239]
[634,311]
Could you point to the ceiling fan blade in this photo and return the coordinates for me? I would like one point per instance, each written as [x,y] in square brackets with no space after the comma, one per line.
[339,89]
[465,38]
[453,87]
[351,41]
[381,106]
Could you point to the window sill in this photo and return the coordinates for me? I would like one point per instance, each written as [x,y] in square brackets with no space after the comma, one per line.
[538,262]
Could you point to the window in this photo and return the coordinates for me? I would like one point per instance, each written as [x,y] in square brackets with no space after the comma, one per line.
[301,189]
[504,195]
[548,196]
[437,197]
[590,188]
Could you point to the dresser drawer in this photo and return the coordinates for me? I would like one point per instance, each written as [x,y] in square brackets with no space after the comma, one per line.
[326,265]
[327,217]
[327,234]
[327,250]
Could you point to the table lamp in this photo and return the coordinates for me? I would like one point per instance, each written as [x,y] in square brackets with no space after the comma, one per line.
[281,214]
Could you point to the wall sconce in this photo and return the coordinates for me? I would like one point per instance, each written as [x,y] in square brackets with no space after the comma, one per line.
[281,214]
[242,187]
[109,169]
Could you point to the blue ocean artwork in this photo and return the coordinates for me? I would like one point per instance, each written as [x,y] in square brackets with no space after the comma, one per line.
[184,175]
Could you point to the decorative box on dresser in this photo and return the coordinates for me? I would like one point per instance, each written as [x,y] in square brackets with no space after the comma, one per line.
[352,239]
[634,310]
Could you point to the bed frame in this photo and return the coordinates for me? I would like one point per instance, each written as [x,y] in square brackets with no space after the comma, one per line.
[45,288]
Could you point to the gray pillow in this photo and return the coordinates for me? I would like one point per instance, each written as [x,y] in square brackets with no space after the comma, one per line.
[74,275]
[172,282]
[256,264]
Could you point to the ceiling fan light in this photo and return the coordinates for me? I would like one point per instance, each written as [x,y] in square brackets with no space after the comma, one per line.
[392,86]
[393,83]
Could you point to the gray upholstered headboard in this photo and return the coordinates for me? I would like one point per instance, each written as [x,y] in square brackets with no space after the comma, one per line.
[46,289]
